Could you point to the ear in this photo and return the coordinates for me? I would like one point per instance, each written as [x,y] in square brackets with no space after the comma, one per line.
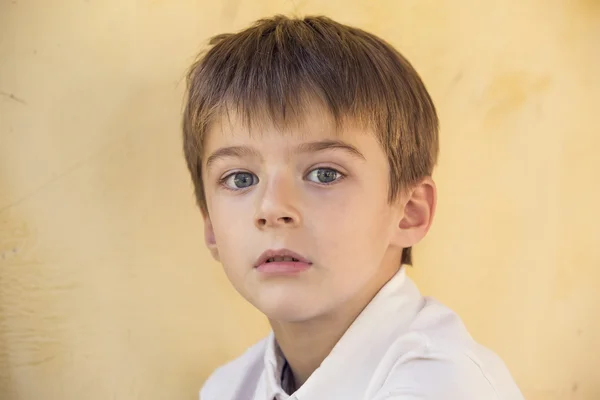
[209,238]
[418,211]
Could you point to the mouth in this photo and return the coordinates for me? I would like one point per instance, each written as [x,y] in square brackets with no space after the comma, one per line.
[281,261]
[281,258]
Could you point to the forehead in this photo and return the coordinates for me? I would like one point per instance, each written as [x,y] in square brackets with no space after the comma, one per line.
[315,123]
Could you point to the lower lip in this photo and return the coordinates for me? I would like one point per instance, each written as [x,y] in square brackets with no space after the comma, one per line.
[283,267]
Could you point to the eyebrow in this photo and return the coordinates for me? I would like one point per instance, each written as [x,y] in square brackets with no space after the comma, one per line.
[233,151]
[310,147]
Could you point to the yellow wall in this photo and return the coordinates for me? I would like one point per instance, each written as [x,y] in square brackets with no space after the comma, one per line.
[106,291]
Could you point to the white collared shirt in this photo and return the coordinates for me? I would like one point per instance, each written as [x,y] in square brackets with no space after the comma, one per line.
[403,346]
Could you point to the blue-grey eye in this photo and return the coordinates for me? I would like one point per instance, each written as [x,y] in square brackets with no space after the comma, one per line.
[241,180]
[323,175]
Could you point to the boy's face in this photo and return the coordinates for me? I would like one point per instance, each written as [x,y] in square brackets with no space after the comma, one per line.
[319,193]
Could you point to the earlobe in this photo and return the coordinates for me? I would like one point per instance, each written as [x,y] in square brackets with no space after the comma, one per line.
[419,210]
[210,240]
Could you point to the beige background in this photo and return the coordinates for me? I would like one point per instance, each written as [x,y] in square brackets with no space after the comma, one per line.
[106,291]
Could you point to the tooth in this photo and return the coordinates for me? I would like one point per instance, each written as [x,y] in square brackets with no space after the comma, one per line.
[278,258]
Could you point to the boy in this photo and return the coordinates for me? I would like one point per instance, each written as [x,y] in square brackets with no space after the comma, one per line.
[311,146]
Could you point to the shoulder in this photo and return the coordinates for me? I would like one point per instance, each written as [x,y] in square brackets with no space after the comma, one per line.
[237,376]
[438,359]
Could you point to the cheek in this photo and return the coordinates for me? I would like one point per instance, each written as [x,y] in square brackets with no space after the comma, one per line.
[353,227]
[230,224]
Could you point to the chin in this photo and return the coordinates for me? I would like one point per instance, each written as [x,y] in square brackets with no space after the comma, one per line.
[288,311]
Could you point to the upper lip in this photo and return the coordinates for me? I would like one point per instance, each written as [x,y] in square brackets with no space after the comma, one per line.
[279,253]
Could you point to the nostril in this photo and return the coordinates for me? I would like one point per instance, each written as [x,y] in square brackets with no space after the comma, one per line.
[281,221]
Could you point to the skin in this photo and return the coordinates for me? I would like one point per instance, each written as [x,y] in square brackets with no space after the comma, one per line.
[346,226]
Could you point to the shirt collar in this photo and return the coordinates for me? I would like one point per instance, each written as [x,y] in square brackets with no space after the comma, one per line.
[274,362]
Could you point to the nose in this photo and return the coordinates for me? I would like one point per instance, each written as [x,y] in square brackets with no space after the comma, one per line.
[278,205]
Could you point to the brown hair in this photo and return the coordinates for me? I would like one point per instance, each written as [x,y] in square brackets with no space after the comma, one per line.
[273,68]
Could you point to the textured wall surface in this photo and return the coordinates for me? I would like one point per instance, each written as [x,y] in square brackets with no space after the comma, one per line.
[106,290]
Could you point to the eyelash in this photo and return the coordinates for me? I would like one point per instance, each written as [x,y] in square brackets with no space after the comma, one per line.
[223,180]
[340,176]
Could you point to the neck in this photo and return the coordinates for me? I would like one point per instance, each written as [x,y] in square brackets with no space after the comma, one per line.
[306,344]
